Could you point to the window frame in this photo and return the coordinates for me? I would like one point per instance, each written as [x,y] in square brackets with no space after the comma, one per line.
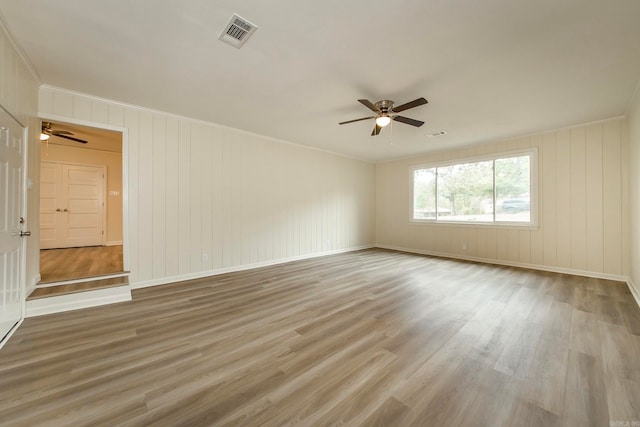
[533,179]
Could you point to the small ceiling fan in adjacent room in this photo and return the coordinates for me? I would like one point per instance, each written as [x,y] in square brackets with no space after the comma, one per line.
[386,111]
[48,131]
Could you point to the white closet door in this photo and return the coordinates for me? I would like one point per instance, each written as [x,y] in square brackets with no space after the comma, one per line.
[71,205]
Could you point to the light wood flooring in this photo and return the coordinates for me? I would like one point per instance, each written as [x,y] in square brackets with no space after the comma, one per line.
[57,265]
[89,285]
[368,338]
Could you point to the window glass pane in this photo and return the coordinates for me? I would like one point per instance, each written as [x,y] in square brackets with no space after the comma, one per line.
[465,192]
[513,184]
[424,194]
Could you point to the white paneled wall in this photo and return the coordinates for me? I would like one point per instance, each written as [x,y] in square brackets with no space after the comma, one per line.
[205,198]
[583,206]
[634,191]
[19,96]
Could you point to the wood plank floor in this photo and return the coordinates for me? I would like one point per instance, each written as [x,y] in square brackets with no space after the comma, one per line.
[57,265]
[369,338]
[74,288]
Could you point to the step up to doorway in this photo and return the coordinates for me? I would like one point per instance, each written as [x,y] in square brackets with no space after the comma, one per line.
[74,296]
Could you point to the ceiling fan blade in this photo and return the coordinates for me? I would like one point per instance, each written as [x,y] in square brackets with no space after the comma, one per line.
[408,121]
[82,141]
[356,120]
[369,105]
[412,104]
[376,130]
[61,132]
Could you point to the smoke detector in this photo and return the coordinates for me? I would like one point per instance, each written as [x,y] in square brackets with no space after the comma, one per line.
[237,31]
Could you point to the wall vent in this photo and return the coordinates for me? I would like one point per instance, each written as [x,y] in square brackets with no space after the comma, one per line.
[237,31]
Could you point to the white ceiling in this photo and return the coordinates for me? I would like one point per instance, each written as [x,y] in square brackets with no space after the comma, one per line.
[490,69]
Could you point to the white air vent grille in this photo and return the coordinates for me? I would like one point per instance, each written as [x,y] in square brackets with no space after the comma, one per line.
[237,31]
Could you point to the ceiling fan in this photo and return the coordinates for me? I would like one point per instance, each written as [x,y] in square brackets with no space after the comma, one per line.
[48,132]
[385,112]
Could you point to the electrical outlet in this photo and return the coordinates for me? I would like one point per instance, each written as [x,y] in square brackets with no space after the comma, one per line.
[205,257]
[464,246]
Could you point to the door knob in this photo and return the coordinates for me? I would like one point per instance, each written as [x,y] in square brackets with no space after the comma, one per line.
[25,233]
[58,210]
[65,210]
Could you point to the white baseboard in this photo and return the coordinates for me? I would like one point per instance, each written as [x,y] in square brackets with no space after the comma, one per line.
[551,269]
[208,273]
[635,290]
[114,243]
[57,304]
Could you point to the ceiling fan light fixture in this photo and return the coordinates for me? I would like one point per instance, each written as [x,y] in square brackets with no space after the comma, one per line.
[44,137]
[383,121]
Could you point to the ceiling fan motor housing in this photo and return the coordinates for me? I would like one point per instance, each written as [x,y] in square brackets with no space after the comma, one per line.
[384,106]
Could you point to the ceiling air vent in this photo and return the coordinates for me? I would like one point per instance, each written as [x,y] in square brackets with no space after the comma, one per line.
[237,31]
[433,135]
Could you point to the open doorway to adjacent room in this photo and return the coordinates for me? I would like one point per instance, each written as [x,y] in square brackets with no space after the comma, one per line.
[81,215]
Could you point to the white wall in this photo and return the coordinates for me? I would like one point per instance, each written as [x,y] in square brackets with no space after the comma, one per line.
[197,188]
[583,206]
[634,180]
[19,96]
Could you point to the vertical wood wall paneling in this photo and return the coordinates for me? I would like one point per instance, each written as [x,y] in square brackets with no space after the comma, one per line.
[537,236]
[563,199]
[159,183]
[63,104]
[195,188]
[116,115]
[145,196]
[206,196]
[234,179]
[625,177]
[172,192]
[45,100]
[578,199]
[99,112]
[217,198]
[250,181]
[513,246]
[184,198]
[524,246]
[548,221]
[131,122]
[594,208]
[501,244]
[612,198]
[82,108]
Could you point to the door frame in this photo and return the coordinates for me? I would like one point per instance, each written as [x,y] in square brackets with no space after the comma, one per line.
[125,174]
[22,268]
[104,192]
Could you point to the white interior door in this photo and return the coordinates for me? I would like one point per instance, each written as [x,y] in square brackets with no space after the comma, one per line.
[51,222]
[71,205]
[12,153]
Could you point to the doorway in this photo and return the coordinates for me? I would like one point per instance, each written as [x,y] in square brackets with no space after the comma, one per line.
[81,203]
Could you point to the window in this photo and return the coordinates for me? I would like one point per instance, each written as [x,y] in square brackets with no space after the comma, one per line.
[491,190]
